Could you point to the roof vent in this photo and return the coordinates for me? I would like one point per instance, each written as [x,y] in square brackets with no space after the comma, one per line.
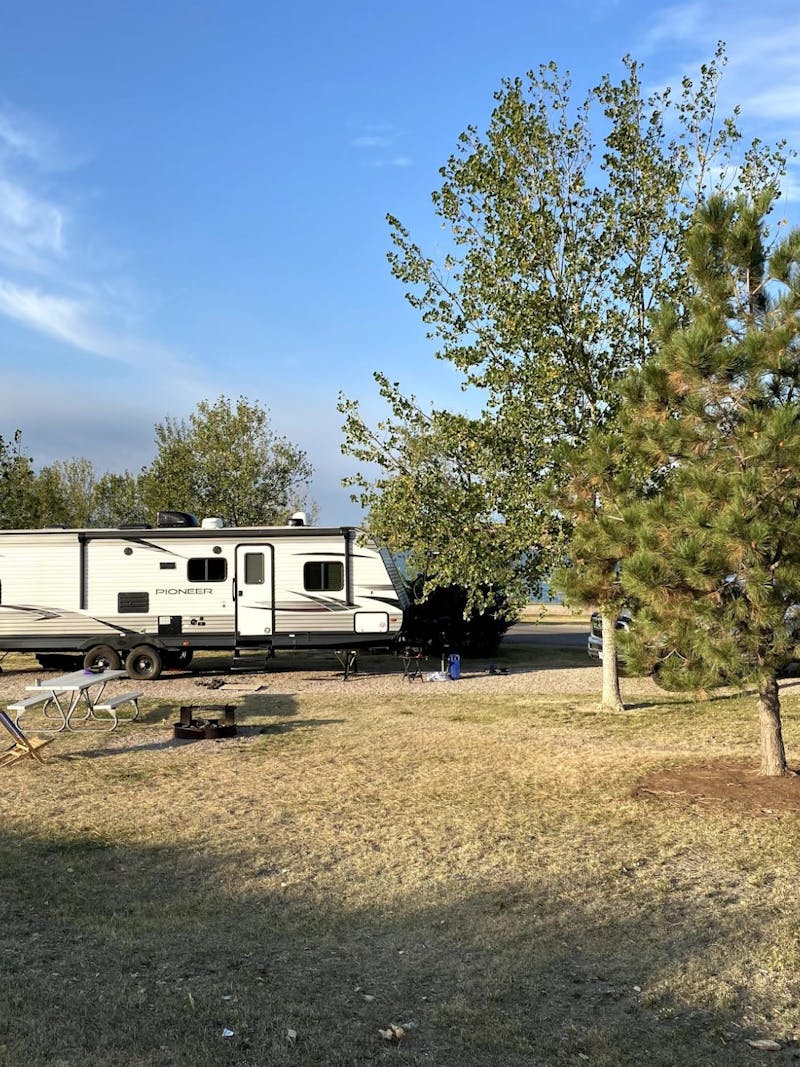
[298,519]
[214,523]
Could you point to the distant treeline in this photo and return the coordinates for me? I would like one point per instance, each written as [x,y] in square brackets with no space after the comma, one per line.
[224,460]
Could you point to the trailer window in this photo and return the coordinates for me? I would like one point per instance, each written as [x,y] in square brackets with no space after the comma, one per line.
[254,568]
[323,577]
[210,569]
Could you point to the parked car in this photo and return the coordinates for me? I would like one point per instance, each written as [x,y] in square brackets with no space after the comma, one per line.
[595,644]
[790,668]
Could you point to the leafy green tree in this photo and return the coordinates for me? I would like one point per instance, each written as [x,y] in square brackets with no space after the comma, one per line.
[17,485]
[428,504]
[557,254]
[716,561]
[225,460]
[70,493]
[117,500]
[439,620]
[65,493]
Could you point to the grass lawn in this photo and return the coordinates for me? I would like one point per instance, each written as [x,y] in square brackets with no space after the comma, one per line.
[475,870]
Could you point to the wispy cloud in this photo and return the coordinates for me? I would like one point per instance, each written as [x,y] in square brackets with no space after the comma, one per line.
[373,143]
[762,76]
[395,161]
[31,228]
[762,45]
[74,322]
[24,138]
[677,22]
[48,280]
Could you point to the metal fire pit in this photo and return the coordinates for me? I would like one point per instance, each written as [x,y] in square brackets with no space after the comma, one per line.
[196,725]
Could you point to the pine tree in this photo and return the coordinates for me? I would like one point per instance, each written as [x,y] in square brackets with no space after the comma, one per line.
[716,562]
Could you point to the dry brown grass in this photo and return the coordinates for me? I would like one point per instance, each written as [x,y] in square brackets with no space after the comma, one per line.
[472,866]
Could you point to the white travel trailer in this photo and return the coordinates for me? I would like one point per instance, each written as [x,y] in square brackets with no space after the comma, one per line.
[150,597]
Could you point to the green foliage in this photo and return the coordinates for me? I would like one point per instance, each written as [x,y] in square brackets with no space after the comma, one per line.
[605,478]
[117,500]
[430,504]
[227,461]
[716,560]
[17,485]
[65,493]
[557,252]
[440,619]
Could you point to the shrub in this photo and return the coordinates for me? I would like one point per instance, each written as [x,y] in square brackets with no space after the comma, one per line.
[439,623]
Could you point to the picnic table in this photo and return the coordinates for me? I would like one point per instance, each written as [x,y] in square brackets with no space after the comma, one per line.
[67,691]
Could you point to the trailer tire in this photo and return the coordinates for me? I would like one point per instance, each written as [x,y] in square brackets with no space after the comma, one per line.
[143,662]
[102,656]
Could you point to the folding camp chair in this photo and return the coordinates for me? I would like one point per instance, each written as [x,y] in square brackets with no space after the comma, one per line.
[22,745]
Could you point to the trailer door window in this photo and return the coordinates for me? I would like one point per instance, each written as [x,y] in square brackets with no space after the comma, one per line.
[207,569]
[254,568]
[323,577]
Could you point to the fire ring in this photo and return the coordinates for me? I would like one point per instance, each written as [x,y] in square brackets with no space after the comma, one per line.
[194,726]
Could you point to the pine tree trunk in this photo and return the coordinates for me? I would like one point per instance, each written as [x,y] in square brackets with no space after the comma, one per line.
[773,754]
[612,698]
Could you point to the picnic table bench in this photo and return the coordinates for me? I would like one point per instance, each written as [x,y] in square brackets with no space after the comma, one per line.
[67,691]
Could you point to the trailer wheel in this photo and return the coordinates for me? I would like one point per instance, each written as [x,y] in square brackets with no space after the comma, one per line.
[102,656]
[143,662]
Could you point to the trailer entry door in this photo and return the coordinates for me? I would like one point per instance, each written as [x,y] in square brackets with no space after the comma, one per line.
[254,603]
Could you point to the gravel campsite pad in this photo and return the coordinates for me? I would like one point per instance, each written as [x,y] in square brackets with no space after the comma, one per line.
[294,673]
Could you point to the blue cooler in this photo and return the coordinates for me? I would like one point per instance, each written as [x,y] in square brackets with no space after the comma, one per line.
[454,666]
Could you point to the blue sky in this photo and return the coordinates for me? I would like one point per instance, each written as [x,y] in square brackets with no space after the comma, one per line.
[193,194]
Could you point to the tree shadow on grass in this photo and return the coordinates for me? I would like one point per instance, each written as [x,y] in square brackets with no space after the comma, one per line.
[685,700]
[131,955]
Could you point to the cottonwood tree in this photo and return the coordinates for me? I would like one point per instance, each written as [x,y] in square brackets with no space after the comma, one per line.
[428,503]
[117,500]
[71,493]
[716,561]
[557,252]
[226,460]
[17,485]
[65,493]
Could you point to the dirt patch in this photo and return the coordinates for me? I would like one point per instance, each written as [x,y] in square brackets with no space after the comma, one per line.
[732,784]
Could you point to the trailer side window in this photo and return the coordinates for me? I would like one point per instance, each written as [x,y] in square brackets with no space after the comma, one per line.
[207,569]
[323,577]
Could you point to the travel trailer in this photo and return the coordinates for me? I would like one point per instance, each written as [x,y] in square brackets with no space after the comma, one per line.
[149,598]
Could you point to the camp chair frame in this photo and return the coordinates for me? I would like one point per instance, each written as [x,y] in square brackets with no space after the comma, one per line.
[22,746]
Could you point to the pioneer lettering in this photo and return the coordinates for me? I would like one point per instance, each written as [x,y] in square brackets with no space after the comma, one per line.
[182,592]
